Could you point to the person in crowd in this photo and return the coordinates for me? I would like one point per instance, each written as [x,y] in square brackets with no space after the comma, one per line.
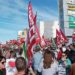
[4,52]
[7,54]
[73,68]
[12,54]
[37,57]
[71,46]
[20,64]
[64,64]
[22,67]
[48,65]
[10,63]
[59,54]
[72,53]
[2,65]
[20,52]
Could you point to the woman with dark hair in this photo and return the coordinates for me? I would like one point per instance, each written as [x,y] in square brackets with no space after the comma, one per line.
[64,64]
[48,66]
[2,65]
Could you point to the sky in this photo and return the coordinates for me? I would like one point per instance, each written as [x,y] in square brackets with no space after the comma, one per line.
[14,15]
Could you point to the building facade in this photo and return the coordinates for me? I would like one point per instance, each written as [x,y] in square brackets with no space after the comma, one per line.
[67,16]
[48,28]
[22,33]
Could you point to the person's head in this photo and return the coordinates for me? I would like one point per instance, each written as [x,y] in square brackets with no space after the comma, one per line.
[20,51]
[20,64]
[7,54]
[64,56]
[2,62]
[63,44]
[71,46]
[48,56]
[12,54]
[37,48]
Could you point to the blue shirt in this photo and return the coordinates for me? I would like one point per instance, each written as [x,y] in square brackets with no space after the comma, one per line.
[37,57]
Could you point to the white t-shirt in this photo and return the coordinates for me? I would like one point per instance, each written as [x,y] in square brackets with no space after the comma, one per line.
[10,70]
[50,71]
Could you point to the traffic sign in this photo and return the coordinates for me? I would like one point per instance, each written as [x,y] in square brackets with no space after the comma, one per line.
[71,22]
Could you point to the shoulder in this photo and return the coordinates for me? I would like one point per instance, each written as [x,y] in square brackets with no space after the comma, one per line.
[15,73]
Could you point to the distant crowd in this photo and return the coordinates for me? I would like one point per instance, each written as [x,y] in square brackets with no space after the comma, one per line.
[47,61]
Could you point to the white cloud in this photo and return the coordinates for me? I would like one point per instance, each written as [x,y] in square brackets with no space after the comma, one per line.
[14,12]
[46,13]
[15,16]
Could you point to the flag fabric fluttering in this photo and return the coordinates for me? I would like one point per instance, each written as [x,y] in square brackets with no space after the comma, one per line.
[38,38]
[30,15]
[31,33]
[63,37]
[60,37]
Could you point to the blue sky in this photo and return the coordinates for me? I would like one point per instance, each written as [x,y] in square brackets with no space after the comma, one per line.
[13,15]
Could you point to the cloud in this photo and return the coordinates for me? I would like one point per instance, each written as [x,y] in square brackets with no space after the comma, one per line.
[45,13]
[14,16]
[14,12]
[46,16]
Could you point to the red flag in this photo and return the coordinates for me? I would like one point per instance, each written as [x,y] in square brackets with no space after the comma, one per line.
[38,38]
[30,15]
[31,33]
[63,37]
[58,37]
[48,42]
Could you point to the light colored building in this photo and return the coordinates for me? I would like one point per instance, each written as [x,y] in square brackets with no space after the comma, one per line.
[48,28]
[22,33]
[67,16]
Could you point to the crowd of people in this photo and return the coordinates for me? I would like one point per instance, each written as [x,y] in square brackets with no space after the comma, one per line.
[47,61]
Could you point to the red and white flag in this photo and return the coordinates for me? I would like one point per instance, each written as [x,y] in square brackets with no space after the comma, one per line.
[60,37]
[38,38]
[32,40]
[30,15]
[63,37]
